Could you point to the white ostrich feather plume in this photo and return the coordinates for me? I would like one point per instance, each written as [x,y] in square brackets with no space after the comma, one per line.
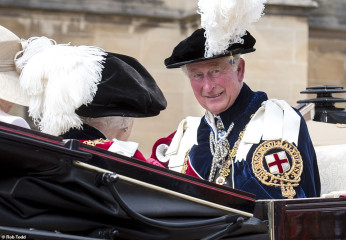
[59,80]
[37,44]
[226,21]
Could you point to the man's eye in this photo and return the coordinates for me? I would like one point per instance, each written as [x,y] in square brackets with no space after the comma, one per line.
[215,72]
[198,76]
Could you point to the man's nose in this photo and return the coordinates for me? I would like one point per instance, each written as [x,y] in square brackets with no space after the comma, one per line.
[208,83]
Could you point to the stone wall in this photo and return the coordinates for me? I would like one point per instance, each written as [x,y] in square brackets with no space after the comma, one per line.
[149,30]
[279,65]
[327,45]
[150,40]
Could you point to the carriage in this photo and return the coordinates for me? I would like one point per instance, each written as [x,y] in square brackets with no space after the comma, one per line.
[53,188]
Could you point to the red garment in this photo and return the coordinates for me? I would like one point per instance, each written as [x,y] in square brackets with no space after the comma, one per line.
[105,144]
[191,171]
[166,140]
[155,162]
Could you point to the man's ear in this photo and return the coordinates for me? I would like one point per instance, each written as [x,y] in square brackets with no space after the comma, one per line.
[241,69]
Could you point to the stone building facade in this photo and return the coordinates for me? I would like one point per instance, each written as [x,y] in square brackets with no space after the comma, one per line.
[298,45]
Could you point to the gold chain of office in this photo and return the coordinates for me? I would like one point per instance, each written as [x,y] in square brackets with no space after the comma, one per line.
[225,168]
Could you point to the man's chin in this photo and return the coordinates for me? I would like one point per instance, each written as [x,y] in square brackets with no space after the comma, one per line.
[216,111]
[215,107]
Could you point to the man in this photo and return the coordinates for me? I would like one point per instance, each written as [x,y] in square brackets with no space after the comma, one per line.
[244,140]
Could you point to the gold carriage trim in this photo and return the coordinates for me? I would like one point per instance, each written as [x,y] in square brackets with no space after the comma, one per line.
[286,179]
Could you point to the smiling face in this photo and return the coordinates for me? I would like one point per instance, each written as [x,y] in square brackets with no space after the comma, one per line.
[215,85]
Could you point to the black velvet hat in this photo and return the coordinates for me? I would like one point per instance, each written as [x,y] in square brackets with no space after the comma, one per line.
[192,49]
[126,89]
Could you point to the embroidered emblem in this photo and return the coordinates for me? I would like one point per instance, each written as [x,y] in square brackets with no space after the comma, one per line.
[278,162]
[283,166]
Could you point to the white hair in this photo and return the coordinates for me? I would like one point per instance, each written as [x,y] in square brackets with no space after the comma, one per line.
[236,62]
[111,122]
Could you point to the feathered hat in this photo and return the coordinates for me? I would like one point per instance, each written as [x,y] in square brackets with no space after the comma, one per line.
[223,32]
[68,82]
[59,78]
[126,89]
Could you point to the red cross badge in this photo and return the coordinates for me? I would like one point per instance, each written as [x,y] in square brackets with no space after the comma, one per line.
[278,163]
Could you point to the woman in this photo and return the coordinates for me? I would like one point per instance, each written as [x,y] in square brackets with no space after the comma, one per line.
[10,92]
[87,94]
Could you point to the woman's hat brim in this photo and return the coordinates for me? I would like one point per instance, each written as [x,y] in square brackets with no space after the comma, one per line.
[10,89]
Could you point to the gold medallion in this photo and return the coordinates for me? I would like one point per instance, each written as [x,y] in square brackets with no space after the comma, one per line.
[276,155]
[220,180]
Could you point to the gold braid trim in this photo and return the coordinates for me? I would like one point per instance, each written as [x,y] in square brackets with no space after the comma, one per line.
[184,168]
[97,141]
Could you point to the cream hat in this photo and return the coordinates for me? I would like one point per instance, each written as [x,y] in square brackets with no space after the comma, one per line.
[10,89]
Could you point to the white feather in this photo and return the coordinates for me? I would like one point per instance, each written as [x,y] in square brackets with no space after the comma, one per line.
[226,21]
[60,79]
[31,47]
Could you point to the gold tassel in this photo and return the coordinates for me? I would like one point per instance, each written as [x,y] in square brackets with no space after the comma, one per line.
[231,59]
